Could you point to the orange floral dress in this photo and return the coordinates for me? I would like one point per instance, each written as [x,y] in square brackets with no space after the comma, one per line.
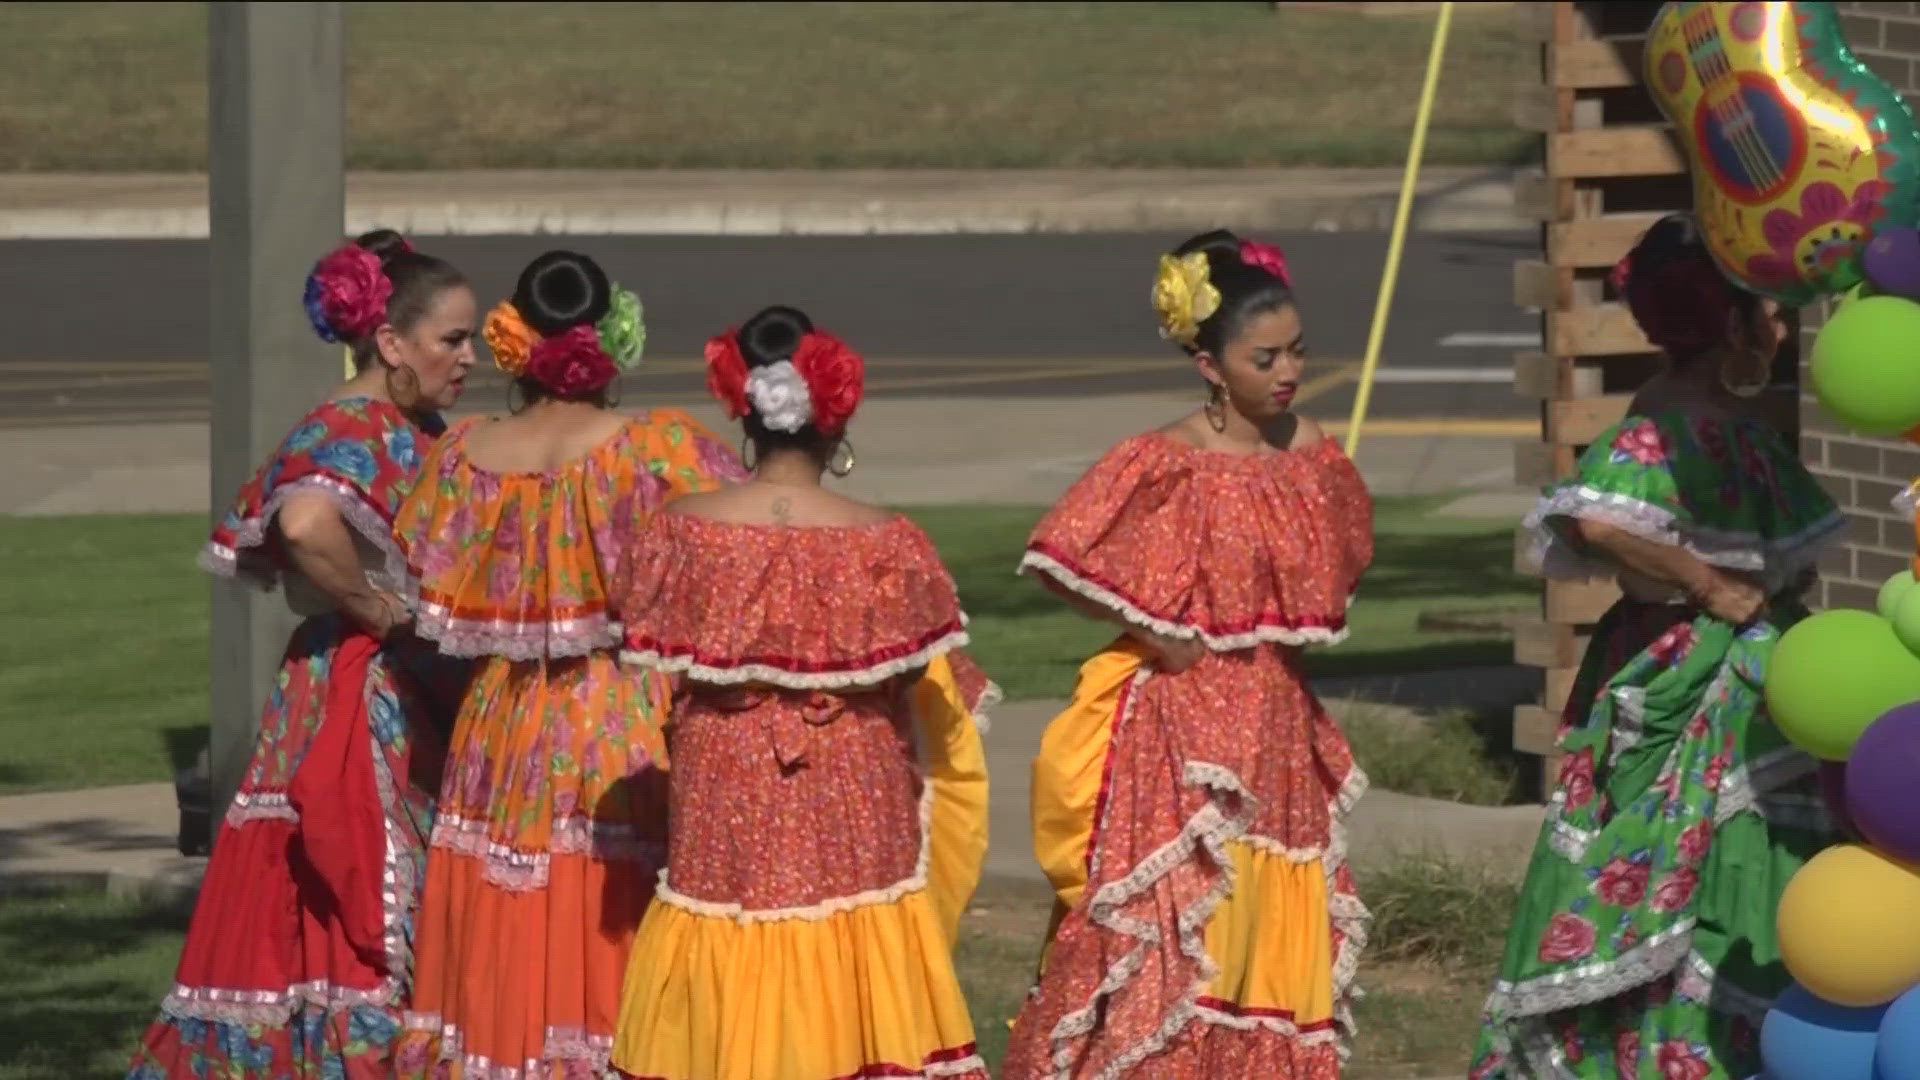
[828,806]
[1190,823]
[552,816]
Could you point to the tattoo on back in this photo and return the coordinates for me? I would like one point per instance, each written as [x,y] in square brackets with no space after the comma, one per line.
[783,510]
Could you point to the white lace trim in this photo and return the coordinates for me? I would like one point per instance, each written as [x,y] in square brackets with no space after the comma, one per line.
[1211,828]
[738,674]
[1778,561]
[990,699]
[1131,612]
[521,870]
[825,909]
[354,509]
[559,1048]
[260,806]
[545,639]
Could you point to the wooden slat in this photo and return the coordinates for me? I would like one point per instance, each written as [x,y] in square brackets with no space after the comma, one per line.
[1536,375]
[1596,330]
[1543,644]
[1621,151]
[1600,241]
[1536,285]
[1580,421]
[1533,464]
[1559,688]
[1599,64]
[1533,729]
[1580,603]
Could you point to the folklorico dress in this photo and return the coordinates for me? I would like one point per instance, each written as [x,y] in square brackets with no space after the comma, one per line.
[300,953]
[552,822]
[1644,943]
[1191,823]
[828,806]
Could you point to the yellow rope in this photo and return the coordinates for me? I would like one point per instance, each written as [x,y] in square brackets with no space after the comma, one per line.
[1378,333]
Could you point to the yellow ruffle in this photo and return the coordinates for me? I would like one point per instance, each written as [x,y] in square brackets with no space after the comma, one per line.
[955,759]
[1271,935]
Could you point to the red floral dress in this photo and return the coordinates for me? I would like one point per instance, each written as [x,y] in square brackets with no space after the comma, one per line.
[300,950]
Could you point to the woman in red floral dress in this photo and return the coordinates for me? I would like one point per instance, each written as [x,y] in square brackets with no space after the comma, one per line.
[299,955]
[1188,804]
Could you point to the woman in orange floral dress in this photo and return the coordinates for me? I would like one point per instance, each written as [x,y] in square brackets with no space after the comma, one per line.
[298,959]
[552,817]
[828,788]
[1187,805]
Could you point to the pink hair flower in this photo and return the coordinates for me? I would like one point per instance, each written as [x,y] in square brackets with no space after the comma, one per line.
[1266,257]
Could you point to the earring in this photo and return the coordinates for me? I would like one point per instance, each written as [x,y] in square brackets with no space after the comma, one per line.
[749,459]
[833,463]
[403,386]
[515,401]
[611,398]
[1747,389]
[1215,408]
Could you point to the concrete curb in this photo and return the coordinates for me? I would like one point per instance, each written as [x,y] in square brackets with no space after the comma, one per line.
[56,207]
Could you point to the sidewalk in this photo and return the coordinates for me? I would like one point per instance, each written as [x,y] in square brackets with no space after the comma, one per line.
[44,206]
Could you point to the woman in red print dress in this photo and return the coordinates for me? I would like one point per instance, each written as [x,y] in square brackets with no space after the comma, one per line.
[1187,805]
[828,789]
[552,820]
[300,951]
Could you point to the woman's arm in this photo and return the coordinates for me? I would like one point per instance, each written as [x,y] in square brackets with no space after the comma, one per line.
[321,547]
[1176,654]
[1724,596]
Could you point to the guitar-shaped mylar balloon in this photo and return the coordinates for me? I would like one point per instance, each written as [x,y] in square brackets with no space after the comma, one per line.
[1799,153]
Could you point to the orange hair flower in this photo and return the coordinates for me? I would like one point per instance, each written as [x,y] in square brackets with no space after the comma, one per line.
[510,338]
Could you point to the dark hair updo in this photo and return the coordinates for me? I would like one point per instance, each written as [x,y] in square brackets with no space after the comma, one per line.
[556,292]
[773,334]
[418,280]
[1676,292]
[1246,290]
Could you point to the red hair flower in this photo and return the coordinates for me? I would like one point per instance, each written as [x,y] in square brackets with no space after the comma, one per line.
[727,374]
[571,364]
[836,379]
[1266,257]
[347,294]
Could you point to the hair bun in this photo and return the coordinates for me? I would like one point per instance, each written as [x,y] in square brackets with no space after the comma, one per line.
[561,290]
[773,335]
[383,243]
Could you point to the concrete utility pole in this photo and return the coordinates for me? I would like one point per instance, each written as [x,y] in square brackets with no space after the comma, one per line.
[276,197]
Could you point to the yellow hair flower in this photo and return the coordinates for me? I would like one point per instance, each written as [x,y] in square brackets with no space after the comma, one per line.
[510,338]
[1183,297]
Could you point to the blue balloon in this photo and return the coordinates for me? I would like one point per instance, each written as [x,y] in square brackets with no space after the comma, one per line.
[1805,1038]
[1898,1054]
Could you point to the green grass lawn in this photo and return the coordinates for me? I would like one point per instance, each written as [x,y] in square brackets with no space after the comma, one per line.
[105,627]
[121,86]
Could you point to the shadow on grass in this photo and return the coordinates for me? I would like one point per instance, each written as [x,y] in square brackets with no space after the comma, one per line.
[184,744]
[81,975]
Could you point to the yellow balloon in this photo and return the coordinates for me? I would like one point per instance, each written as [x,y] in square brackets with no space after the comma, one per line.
[1847,926]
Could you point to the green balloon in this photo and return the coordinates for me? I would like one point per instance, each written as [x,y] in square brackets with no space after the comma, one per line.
[1892,591]
[1865,364]
[1835,673]
[1906,621]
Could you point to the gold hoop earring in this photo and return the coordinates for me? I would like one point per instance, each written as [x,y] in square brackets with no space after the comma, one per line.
[403,386]
[611,398]
[1215,409]
[749,458]
[833,463]
[515,399]
[1745,390]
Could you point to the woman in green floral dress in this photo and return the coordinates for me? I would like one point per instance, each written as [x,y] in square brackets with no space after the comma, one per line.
[1644,943]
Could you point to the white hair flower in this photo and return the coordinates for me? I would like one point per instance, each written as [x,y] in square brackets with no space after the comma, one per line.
[780,396]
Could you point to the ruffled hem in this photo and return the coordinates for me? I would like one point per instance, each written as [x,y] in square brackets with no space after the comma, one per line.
[565,1052]
[520,870]
[1779,561]
[242,560]
[797,674]
[1268,630]
[1224,818]
[549,639]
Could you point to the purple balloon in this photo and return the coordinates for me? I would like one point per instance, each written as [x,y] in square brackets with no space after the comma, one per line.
[1833,792]
[1883,783]
[1892,262]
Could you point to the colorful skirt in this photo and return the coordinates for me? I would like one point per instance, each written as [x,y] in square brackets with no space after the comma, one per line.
[1644,942]
[1206,923]
[300,952]
[823,850]
[552,828]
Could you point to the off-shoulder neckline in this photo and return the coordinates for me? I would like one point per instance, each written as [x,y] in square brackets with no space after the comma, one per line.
[1300,453]
[892,522]
[612,442]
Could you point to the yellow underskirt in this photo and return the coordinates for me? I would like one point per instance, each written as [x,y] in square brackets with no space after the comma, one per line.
[1271,935]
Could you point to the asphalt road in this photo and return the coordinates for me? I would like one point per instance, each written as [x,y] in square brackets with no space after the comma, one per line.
[109,331]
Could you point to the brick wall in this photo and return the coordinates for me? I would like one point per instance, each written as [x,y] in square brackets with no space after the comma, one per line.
[1864,474]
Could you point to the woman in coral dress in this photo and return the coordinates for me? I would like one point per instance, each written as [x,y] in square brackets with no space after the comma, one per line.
[299,955]
[552,820]
[1187,805]
[1644,944]
[828,816]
